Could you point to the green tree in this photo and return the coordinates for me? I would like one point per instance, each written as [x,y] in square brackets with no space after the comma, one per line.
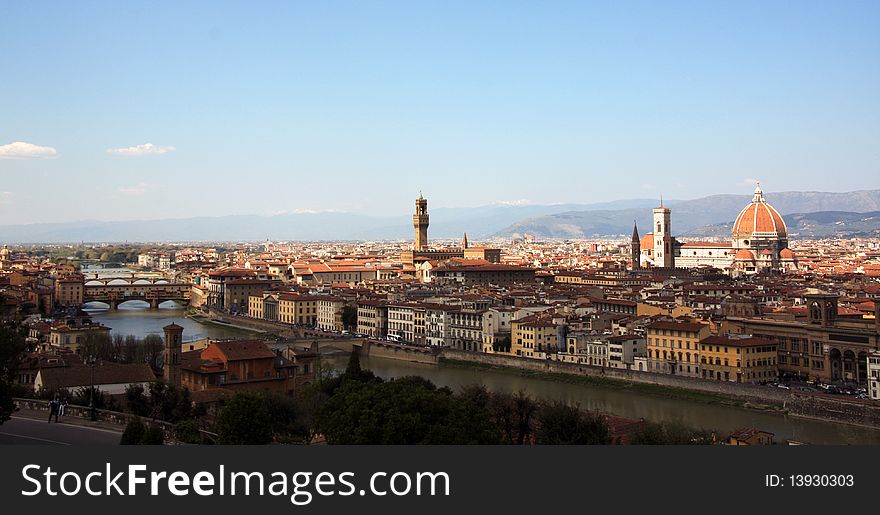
[187,431]
[134,432]
[11,346]
[349,317]
[404,411]
[653,433]
[153,436]
[561,424]
[245,420]
[136,400]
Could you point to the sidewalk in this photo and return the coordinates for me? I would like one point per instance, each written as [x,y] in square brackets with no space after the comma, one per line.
[72,420]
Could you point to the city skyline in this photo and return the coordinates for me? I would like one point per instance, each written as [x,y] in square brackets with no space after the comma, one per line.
[229,110]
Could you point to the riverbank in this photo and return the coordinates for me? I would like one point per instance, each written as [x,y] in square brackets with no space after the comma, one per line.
[606,382]
[815,407]
[203,319]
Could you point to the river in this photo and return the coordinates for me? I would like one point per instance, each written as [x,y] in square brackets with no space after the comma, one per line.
[627,404]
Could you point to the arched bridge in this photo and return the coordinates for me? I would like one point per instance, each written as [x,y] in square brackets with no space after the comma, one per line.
[153,292]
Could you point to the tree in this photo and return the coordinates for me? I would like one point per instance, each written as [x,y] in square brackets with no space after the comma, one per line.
[169,403]
[514,416]
[653,433]
[561,424]
[153,436]
[404,411]
[245,420]
[349,317]
[11,347]
[134,432]
[187,431]
[136,400]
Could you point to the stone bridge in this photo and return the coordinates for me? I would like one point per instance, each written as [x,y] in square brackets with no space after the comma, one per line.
[139,289]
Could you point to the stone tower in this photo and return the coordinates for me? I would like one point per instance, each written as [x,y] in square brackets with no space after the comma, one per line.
[464,242]
[173,344]
[664,253]
[420,223]
[636,248]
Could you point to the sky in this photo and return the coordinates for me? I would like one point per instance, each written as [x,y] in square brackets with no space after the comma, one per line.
[145,110]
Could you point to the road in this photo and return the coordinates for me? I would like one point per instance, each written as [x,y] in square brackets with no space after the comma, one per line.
[26,431]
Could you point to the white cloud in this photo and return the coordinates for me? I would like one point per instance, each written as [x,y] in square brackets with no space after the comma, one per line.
[516,202]
[22,150]
[147,149]
[135,190]
[5,197]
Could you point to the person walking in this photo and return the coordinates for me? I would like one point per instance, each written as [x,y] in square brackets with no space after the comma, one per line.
[54,405]
[62,408]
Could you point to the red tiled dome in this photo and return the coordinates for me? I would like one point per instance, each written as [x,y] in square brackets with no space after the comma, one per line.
[786,253]
[759,217]
[647,241]
[744,255]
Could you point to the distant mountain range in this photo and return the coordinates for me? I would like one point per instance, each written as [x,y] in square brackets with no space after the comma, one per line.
[809,214]
[708,216]
[821,224]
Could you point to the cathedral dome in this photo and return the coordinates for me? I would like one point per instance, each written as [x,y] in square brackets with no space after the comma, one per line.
[786,253]
[759,219]
[647,241]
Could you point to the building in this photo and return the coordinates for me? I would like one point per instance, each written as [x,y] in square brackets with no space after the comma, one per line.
[874,375]
[171,358]
[421,251]
[372,318]
[759,243]
[482,274]
[109,378]
[674,347]
[294,308]
[821,346]
[624,349]
[749,436]
[330,310]
[420,223]
[531,335]
[69,290]
[738,358]
[245,365]
[664,251]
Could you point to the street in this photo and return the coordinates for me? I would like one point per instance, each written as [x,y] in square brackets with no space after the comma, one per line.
[27,431]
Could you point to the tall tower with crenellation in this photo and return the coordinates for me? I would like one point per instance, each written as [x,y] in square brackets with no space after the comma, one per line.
[664,252]
[420,223]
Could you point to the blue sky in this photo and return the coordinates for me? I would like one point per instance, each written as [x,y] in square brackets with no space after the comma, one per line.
[267,107]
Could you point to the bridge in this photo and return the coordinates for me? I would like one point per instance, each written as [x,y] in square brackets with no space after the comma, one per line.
[155,292]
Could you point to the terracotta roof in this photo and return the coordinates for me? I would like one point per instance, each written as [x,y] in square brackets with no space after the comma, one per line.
[105,373]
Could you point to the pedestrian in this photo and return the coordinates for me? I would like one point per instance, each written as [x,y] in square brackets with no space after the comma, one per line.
[53,410]
[63,408]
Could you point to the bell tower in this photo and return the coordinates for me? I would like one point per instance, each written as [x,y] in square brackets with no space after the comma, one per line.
[664,253]
[173,344]
[420,223]
[636,248]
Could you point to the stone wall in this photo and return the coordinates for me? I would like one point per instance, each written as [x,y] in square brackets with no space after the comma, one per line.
[107,417]
[401,352]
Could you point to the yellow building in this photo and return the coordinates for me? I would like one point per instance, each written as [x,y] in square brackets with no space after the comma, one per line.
[298,309]
[531,337]
[740,359]
[674,347]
